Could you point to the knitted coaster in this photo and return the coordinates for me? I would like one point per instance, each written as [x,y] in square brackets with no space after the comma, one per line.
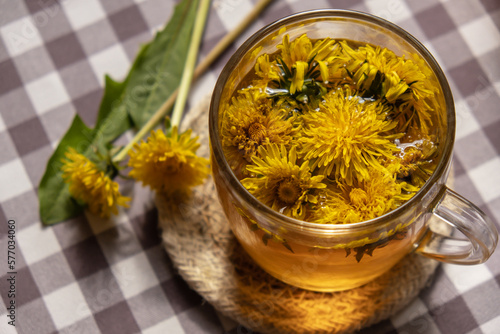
[202,247]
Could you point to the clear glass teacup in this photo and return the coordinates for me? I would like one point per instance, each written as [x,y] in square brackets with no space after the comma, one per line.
[334,257]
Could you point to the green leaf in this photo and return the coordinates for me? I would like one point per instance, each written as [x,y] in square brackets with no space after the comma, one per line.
[112,119]
[158,69]
[153,77]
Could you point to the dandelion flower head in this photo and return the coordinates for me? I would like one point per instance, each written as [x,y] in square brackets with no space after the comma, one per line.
[364,200]
[250,122]
[380,73]
[168,164]
[347,136]
[301,68]
[416,156]
[91,186]
[281,183]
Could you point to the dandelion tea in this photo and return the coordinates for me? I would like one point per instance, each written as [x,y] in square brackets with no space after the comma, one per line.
[331,132]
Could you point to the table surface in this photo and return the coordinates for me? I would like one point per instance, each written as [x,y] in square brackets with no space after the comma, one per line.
[94,276]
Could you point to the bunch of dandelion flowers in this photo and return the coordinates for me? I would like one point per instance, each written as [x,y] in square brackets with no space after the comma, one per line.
[84,177]
[93,187]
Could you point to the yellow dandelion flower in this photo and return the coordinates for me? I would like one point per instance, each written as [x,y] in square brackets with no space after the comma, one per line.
[302,49]
[282,184]
[300,69]
[250,122]
[363,200]
[265,68]
[380,73]
[416,156]
[298,76]
[168,164]
[347,136]
[91,186]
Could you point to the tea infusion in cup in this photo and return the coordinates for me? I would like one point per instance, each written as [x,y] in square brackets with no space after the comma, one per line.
[327,129]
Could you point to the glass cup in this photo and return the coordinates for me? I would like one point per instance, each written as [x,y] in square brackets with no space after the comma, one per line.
[334,257]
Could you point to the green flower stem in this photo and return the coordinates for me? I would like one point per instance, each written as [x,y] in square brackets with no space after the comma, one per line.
[187,74]
[200,69]
[152,122]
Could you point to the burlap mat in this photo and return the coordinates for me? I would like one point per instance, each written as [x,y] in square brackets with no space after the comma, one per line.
[207,255]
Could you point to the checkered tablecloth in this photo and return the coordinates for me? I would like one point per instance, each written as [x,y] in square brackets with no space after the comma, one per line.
[96,276]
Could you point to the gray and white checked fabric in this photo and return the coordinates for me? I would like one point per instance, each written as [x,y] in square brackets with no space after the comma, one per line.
[92,276]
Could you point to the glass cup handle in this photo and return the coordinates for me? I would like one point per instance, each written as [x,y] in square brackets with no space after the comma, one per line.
[481,235]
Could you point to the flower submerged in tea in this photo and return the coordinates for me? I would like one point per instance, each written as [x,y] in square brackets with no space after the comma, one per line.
[380,193]
[91,186]
[280,182]
[300,69]
[333,132]
[402,83]
[346,136]
[251,122]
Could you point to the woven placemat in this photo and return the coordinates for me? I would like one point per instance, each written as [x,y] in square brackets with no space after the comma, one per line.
[202,247]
